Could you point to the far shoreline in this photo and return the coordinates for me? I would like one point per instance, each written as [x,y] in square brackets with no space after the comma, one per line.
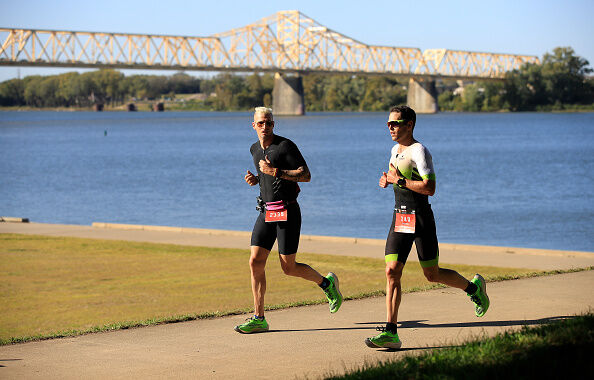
[145,109]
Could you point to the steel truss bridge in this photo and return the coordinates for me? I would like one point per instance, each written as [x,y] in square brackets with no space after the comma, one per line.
[287,41]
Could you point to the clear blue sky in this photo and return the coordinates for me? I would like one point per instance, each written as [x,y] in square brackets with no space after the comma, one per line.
[529,27]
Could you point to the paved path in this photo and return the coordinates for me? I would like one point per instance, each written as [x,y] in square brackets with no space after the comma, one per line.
[306,341]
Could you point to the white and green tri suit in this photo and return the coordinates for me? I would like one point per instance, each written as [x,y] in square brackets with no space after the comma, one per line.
[414,163]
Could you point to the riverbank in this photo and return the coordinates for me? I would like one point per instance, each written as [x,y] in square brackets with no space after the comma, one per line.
[538,259]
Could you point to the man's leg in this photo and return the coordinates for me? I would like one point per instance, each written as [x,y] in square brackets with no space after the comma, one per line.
[445,276]
[329,284]
[428,252]
[288,242]
[398,246]
[393,290]
[388,337]
[476,289]
[257,323]
[292,268]
[258,259]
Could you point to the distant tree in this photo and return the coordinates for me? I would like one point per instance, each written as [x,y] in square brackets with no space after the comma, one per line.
[32,92]
[314,88]
[446,100]
[137,86]
[564,76]
[156,86]
[182,83]
[67,92]
[258,86]
[267,100]
[381,93]
[492,96]
[473,97]
[12,93]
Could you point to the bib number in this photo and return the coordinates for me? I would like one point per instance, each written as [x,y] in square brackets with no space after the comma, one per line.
[276,215]
[405,221]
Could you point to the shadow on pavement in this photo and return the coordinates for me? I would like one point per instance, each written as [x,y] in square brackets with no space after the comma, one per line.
[323,329]
[8,360]
[415,324]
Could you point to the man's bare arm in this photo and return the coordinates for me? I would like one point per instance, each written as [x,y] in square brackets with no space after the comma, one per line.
[301,174]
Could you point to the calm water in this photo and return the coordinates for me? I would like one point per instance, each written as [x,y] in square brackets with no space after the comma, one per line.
[520,180]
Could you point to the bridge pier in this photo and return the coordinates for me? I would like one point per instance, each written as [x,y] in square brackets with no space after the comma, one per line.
[288,95]
[422,95]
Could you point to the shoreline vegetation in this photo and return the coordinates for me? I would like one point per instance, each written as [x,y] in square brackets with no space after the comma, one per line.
[572,108]
[85,286]
[562,82]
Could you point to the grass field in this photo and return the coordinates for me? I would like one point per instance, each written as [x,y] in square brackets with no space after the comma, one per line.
[55,286]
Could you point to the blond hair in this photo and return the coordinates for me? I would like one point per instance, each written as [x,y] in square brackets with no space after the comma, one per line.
[264,110]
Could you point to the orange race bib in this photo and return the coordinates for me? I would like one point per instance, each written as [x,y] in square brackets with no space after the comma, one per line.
[405,221]
[276,215]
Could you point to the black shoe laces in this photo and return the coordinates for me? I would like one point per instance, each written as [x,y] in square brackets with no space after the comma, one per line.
[476,300]
[381,328]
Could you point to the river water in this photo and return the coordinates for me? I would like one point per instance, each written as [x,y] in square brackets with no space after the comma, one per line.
[506,179]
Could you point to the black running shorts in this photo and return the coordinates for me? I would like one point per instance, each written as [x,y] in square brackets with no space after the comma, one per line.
[264,234]
[398,244]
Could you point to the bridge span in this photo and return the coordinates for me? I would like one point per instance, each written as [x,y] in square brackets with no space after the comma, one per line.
[287,43]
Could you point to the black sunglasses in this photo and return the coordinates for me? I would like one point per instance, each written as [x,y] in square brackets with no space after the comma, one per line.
[396,123]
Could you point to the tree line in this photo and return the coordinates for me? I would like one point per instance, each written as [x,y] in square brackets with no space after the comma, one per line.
[83,90]
[559,81]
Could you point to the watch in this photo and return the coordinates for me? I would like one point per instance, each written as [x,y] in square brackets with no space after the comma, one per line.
[401,182]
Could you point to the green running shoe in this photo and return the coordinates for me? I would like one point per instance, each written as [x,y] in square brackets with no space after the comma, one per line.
[252,325]
[384,339]
[480,297]
[333,293]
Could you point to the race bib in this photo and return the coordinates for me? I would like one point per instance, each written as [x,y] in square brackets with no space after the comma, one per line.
[405,221]
[276,215]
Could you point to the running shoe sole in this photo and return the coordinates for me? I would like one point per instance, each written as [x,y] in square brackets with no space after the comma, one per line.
[254,331]
[395,346]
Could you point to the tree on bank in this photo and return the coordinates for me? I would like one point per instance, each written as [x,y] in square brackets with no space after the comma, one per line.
[559,81]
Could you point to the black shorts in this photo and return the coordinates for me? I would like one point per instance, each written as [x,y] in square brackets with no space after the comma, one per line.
[399,244]
[264,234]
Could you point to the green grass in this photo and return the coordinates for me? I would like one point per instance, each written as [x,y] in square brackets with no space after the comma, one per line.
[562,349]
[58,286]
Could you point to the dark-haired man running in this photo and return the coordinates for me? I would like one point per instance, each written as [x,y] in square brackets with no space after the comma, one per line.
[413,177]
